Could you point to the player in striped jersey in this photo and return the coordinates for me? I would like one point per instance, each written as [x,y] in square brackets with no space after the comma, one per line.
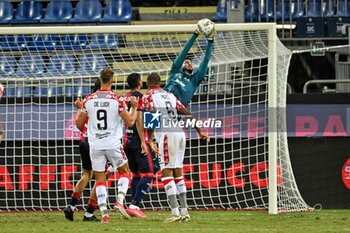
[172,144]
[106,112]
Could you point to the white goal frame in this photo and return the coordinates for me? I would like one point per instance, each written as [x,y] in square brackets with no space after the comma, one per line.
[272,72]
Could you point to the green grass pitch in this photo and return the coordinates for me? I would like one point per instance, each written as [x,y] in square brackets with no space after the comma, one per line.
[202,221]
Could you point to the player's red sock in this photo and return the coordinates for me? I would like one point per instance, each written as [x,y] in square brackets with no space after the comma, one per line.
[92,205]
[75,199]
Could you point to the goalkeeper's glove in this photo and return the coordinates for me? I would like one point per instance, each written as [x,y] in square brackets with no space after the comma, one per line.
[197,32]
[211,35]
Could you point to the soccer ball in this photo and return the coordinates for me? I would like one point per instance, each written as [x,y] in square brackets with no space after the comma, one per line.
[1,90]
[205,26]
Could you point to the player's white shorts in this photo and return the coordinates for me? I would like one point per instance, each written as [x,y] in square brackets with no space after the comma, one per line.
[99,158]
[171,150]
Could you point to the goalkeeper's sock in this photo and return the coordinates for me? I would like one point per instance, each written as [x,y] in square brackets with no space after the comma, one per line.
[74,199]
[92,205]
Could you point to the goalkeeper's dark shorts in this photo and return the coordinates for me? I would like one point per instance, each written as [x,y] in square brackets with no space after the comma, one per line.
[85,155]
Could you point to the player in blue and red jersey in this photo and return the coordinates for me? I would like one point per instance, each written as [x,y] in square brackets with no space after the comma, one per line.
[137,151]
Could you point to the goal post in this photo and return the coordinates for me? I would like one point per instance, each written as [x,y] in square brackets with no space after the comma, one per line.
[246,165]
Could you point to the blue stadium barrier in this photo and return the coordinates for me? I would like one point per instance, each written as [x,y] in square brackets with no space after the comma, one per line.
[10,91]
[6,12]
[221,12]
[72,42]
[58,11]
[7,65]
[61,65]
[30,66]
[336,21]
[19,90]
[91,64]
[312,25]
[289,10]
[13,42]
[117,11]
[314,8]
[87,11]
[259,10]
[51,90]
[28,12]
[251,11]
[103,41]
[77,89]
[343,8]
[42,42]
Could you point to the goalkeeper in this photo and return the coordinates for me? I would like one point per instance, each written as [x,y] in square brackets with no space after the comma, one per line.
[182,81]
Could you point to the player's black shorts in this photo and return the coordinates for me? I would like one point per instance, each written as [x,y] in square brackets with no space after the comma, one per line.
[139,162]
[85,155]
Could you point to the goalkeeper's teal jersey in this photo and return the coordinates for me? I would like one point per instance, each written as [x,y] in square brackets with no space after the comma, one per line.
[184,86]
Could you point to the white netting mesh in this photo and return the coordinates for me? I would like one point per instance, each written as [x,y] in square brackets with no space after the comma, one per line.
[43,74]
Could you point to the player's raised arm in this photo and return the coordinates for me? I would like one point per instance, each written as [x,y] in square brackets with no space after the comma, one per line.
[128,119]
[179,60]
[202,70]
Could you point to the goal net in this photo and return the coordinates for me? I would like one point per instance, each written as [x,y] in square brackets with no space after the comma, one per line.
[245,166]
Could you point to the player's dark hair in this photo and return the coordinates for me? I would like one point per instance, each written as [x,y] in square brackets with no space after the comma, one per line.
[133,80]
[97,85]
[153,80]
[106,75]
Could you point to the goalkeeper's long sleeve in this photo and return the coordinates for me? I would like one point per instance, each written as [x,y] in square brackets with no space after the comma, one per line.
[179,60]
[198,77]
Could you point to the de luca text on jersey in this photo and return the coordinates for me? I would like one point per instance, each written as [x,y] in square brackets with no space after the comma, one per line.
[101,104]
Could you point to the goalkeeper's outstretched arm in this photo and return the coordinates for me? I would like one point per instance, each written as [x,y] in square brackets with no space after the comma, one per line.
[198,77]
[179,60]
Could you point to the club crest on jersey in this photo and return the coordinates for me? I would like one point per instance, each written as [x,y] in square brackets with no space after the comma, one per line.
[151,120]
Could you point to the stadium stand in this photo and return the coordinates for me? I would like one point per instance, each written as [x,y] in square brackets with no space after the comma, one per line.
[259,10]
[338,19]
[49,90]
[18,89]
[343,8]
[314,8]
[103,41]
[77,89]
[87,11]
[289,10]
[6,12]
[42,42]
[61,65]
[117,11]
[7,65]
[30,66]
[91,64]
[58,12]
[28,12]
[221,12]
[13,42]
[72,42]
